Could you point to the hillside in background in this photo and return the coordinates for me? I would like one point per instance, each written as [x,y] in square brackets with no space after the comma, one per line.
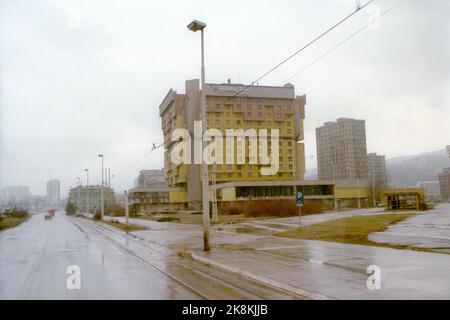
[407,170]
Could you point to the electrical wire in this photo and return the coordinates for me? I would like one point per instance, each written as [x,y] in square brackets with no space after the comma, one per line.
[154,147]
[359,8]
[342,42]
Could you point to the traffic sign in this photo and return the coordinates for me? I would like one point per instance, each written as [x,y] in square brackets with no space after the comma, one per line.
[299,199]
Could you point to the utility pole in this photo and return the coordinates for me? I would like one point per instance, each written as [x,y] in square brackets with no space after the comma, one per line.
[373,190]
[357,188]
[101,192]
[127,214]
[88,204]
[79,193]
[333,169]
[195,26]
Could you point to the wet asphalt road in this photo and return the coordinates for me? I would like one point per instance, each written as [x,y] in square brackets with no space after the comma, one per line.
[35,256]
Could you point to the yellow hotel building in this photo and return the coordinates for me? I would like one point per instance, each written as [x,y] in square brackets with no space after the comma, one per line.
[234,106]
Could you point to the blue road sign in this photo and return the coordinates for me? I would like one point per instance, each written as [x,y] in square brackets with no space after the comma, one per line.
[299,199]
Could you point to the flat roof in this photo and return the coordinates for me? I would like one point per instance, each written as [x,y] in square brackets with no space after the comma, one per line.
[155,189]
[270,183]
[254,91]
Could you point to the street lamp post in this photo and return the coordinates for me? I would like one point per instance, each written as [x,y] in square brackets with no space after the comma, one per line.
[358,196]
[357,188]
[88,204]
[195,26]
[79,203]
[127,214]
[101,192]
[333,172]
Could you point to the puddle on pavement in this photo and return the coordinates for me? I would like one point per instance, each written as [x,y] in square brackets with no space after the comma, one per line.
[247,230]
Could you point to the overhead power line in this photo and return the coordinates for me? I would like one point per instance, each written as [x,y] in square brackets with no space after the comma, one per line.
[154,147]
[341,42]
[359,8]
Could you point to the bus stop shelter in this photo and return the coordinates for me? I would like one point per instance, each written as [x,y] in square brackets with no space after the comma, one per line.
[404,199]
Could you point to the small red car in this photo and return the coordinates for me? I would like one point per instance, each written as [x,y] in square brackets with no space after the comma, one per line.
[51,212]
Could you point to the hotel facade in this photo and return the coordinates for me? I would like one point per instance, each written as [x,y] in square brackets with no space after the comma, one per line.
[234,106]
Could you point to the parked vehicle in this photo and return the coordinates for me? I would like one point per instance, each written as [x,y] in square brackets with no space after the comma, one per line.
[51,214]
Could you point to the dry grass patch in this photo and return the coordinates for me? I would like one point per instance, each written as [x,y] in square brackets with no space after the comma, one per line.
[10,222]
[352,230]
[123,226]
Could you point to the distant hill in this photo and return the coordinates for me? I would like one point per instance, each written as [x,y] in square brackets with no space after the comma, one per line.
[407,170]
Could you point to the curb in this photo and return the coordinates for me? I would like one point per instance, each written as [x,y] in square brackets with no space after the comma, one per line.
[270,282]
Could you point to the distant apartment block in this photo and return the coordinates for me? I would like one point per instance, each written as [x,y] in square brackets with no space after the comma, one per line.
[15,195]
[432,189]
[376,167]
[90,197]
[235,106]
[53,193]
[444,183]
[151,178]
[341,150]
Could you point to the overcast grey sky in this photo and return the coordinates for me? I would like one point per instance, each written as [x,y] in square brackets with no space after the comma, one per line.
[78,78]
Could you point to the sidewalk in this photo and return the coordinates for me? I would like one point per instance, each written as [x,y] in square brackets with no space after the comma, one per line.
[312,269]
[321,270]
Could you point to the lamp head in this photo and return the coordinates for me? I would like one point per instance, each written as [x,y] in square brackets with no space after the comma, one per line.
[196,25]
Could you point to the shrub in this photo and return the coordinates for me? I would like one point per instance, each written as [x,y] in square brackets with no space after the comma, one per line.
[98,215]
[16,213]
[71,208]
[230,209]
[167,219]
[115,210]
[312,206]
[133,210]
[271,208]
